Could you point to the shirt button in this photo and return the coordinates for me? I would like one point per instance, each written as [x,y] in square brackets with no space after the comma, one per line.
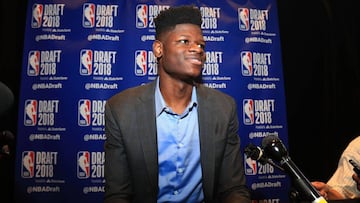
[180,170]
[176,192]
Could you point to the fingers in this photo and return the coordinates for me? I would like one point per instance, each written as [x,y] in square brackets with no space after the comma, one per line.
[322,188]
[318,185]
[356,178]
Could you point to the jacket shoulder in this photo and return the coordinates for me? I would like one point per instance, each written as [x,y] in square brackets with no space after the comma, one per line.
[214,94]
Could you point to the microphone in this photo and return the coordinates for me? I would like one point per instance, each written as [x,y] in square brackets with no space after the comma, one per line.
[6,98]
[275,149]
[257,154]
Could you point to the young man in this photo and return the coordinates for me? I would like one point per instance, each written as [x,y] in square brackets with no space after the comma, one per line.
[174,140]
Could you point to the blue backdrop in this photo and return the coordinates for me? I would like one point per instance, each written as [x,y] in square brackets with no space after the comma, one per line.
[77,54]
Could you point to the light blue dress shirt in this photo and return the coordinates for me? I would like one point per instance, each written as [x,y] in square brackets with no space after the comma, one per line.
[179,152]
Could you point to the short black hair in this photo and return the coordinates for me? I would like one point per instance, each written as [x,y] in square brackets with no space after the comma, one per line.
[167,19]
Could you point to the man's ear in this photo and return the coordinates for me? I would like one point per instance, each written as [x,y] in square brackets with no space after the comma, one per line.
[157,49]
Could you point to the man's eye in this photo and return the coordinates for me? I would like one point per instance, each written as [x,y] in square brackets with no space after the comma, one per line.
[184,41]
[202,46]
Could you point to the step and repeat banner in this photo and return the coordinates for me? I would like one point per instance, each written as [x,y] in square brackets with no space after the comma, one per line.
[77,54]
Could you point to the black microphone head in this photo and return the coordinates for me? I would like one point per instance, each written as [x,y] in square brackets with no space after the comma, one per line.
[252,151]
[274,148]
[6,98]
[256,153]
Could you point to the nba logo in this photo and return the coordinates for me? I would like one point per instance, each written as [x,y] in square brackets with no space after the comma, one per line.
[33,66]
[141,16]
[37,12]
[244,23]
[83,164]
[246,63]
[30,112]
[248,111]
[86,58]
[140,62]
[88,19]
[250,166]
[27,166]
[84,117]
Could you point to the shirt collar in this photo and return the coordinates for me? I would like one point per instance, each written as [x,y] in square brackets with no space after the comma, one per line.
[160,104]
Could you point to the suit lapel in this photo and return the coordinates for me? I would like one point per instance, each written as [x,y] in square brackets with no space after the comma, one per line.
[206,141]
[147,133]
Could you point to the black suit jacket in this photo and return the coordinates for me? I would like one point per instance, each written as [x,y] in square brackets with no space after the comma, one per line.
[131,158]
